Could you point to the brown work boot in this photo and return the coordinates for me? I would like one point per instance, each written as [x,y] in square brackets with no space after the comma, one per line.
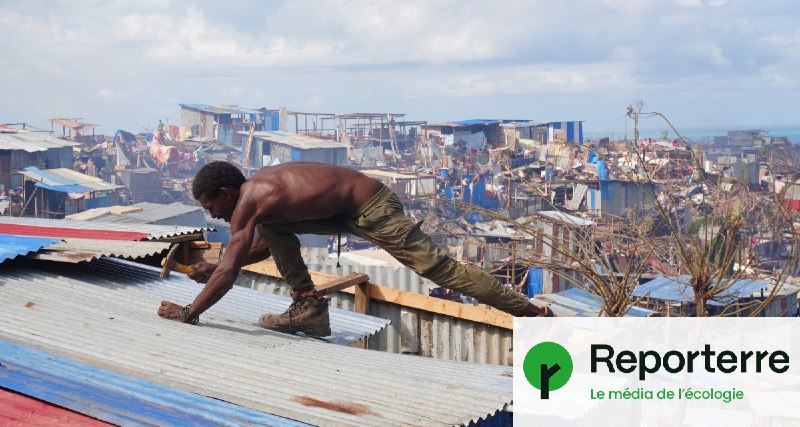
[307,314]
[534,311]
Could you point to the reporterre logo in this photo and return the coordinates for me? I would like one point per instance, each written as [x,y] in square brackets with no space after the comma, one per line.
[547,366]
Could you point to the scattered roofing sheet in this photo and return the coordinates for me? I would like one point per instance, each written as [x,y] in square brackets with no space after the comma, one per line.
[677,289]
[67,180]
[30,142]
[106,395]
[104,313]
[585,305]
[565,218]
[79,250]
[90,230]
[297,140]
[143,213]
[12,246]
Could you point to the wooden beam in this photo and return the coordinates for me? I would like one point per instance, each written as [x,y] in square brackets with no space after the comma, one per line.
[339,283]
[361,305]
[487,316]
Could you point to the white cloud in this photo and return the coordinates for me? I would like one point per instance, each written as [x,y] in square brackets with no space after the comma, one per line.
[105,94]
[356,55]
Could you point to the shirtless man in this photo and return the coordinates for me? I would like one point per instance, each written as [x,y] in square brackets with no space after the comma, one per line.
[279,202]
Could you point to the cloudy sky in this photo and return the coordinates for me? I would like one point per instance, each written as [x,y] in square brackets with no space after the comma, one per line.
[125,64]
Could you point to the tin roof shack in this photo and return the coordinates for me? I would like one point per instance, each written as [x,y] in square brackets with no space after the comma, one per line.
[222,123]
[274,147]
[386,130]
[21,148]
[408,187]
[558,232]
[144,184]
[54,193]
[81,129]
[569,131]
[614,197]
[473,134]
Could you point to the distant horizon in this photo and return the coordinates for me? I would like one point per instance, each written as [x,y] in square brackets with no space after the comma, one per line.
[791,132]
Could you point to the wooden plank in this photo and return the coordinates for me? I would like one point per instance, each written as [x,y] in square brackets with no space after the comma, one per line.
[340,283]
[487,316]
[361,304]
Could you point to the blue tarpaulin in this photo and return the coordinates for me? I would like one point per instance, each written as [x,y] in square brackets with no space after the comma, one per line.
[477,195]
[56,183]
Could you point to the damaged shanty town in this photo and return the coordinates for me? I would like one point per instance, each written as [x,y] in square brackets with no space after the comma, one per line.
[96,229]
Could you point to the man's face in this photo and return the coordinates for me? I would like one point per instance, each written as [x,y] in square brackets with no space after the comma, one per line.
[221,206]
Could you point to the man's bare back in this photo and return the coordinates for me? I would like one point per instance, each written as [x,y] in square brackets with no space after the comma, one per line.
[299,191]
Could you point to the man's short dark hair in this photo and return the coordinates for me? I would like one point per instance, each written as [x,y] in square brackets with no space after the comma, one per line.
[214,176]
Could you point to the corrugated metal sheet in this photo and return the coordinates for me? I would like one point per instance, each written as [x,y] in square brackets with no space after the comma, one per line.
[112,323]
[20,410]
[79,250]
[53,179]
[225,109]
[565,218]
[296,140]
[151,231]
[576,302]
[401,277]
[12,246]
[145,213]
[110,396]
[414,331]
[677,289]
[30,142]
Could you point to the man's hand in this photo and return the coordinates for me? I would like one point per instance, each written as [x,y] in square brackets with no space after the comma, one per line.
[201,271]
[170,311]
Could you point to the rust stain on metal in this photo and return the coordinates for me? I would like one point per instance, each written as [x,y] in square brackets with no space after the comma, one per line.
[338,406]
[29,304]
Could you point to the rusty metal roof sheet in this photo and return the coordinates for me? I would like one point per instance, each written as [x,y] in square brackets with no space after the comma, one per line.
[79,250]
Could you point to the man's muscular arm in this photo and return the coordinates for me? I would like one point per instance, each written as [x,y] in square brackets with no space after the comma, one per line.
[243,224]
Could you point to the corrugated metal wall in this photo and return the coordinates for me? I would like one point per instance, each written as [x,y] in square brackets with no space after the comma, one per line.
[415,331]
[402,278]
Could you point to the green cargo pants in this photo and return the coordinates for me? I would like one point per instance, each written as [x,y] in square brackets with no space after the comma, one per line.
[381,220]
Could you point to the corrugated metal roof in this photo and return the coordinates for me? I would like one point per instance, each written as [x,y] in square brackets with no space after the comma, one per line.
[79,250]
[471,122]
[296,140]
[581,304]
[104,313]
[144,212]
[566,218]
[12,246]
[113,397]
[20,410]
[67,180]
[89,229]
[221,109]
[30,142]
[677,289]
